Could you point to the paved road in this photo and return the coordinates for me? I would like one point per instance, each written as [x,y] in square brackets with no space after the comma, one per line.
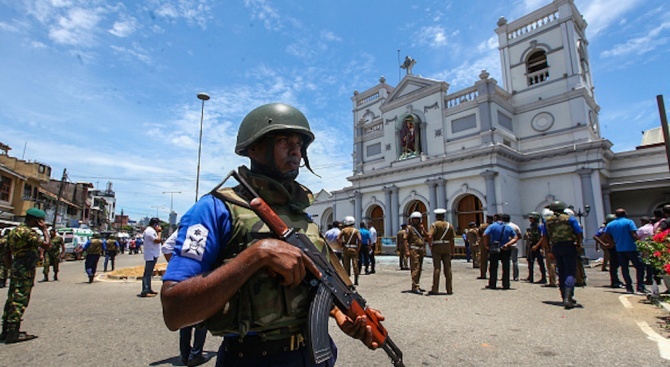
[105,324]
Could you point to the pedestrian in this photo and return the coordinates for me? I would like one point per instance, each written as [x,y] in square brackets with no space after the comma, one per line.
[373,247]
[94,248]
[416,249]
[609,247]
[534,237]
[351,242]
[514,249]
[468,253]
[190,355]
[472,234]
[111,249]
[152,243]
[441,238]
[331,237]
[364,252]
[623,232]
[268,275]
[23,242]
[498,240]
[401,247]
[564,234]
[52,257]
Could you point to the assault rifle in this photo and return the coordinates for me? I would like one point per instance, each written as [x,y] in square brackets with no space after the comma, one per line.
[332,289]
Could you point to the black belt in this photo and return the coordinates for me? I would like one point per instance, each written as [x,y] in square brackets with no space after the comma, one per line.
[254,345]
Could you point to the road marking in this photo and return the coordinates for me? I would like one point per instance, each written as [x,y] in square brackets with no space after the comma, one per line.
[663,343]
[624,301]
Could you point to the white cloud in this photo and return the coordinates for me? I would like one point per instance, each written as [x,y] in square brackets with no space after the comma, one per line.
[77,27]
[124,28]
[261,10]
[37,44]
[432,36]
[137,52]
[330,36]
[640,45]
[194,12]
[600,14]
[8,27]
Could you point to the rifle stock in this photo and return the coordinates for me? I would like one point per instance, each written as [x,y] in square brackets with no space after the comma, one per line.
[332,290]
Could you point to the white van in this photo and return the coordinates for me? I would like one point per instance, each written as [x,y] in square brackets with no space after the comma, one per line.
[74,238]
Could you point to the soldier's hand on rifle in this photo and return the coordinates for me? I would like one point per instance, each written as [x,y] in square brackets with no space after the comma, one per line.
[357,329]
[286,261]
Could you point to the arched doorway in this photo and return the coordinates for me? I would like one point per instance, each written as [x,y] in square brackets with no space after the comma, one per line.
[468,209]
[375,218]
[416,206]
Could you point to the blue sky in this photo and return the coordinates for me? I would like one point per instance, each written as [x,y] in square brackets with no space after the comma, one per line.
[107,89]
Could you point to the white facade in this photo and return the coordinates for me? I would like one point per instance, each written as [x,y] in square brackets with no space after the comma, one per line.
[487,148]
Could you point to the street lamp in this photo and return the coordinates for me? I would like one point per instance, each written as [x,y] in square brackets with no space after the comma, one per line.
[585,213]
[203,97]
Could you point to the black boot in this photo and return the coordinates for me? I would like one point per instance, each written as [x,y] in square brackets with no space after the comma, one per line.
[45,279]
[3,283]
[3,336]
[16,336]
[355,279]
[90,278]
[55,276]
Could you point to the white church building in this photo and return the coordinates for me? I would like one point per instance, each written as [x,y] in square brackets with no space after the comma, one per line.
[510,148]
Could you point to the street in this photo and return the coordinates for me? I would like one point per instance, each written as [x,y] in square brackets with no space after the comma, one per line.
[106,324]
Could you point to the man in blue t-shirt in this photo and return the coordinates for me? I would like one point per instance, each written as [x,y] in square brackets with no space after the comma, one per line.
[623,232]
[364,253]
[498,239]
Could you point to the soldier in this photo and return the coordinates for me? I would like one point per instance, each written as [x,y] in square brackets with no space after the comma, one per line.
[441,237]
[53,256]
[23,242]
[416,249]
[401,247]
[5,258]
[535,249]
[94,249]
[472,233]
[564,234]
[224,256]
[546,248]
[111,249]
[350,240]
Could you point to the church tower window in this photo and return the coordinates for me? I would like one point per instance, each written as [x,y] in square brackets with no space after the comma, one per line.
[537,68]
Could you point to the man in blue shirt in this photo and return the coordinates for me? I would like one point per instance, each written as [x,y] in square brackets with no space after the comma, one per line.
[498,240]
[229,271]
[623,233]
[364,253]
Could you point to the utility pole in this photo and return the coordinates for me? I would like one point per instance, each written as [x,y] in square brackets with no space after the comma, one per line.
[60,194]
[664,126]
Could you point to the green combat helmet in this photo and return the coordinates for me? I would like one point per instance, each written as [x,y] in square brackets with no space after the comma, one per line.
[270,118]
[609,218]
[558,206]
[534,215]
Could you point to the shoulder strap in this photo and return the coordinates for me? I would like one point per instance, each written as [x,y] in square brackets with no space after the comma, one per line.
[446,229]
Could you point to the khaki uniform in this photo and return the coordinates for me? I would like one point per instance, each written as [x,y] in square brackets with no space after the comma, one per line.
[442,236]
[350,239]
[483,254]
[472,234]
[401,246]
[417,250]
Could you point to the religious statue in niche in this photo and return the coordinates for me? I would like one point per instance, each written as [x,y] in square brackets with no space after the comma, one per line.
[409,138]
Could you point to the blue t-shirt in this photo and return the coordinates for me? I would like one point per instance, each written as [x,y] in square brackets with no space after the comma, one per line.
[365,236]
[620,230]
[499,231]
[203,232]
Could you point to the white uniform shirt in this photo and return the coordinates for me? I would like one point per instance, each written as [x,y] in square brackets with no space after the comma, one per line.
[152,250]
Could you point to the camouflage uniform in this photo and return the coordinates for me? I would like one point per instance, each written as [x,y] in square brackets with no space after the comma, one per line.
[562,238]
[472,234]
[23,244]
[52,257]
[93,252]
[534,237]
[4,268]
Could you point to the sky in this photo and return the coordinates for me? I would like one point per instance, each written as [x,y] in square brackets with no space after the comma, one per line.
[107,89]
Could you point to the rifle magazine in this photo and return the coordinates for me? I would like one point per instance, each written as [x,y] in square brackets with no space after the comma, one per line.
[317,330]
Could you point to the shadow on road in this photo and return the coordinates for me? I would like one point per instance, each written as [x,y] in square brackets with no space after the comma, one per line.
[176,360]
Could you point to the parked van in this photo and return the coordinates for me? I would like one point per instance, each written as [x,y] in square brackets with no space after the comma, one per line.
[74,238]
